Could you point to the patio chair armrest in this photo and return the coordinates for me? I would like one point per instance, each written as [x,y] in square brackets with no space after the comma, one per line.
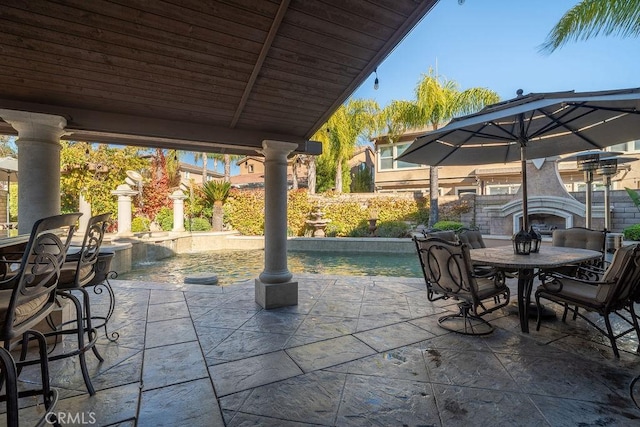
[553,282]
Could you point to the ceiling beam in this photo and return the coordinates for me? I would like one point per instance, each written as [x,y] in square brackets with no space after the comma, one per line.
[273,31]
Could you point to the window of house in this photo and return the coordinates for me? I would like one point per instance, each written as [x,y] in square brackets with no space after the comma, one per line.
[187,174]
[249,168]
[619,147]
[502,189]
[462,190]
[387,155]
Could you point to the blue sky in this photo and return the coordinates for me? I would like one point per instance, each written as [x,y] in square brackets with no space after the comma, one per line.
[495,44]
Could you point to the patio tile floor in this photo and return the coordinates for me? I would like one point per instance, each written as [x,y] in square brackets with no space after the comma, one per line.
[356,351]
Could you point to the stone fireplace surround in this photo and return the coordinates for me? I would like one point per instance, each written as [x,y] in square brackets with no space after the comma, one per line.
[548,200]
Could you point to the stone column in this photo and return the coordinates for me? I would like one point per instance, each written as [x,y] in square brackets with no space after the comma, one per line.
[84,207]
[178,210]
[124,193]
[274,288]
[38,164]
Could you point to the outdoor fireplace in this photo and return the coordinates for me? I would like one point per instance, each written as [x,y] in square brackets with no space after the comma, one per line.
[549,203]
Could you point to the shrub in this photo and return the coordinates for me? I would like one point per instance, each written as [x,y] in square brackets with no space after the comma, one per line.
[632,232]
[362,230]
[393,229]
[164,218]
[244,211]
[347,214]
[448,225]
[334,229]
[200,224]
[298,210]
[140,224]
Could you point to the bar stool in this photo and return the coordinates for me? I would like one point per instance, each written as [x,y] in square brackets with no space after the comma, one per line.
[79,271]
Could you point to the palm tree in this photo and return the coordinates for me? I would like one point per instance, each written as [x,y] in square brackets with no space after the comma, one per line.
[356,119]
[437,101]
[205,160]
[216,192]
[228,158]
[589,18]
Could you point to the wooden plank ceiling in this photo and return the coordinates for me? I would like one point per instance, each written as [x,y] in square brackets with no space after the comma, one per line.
[200,75]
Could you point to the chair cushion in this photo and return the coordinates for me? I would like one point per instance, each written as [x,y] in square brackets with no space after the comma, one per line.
[473,238]
[448,235]
[579,238]
[23,311]
[68,275]
[590,295]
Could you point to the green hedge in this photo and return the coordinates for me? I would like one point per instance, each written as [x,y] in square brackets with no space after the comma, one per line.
[632,232]
[244,211]
[140,224]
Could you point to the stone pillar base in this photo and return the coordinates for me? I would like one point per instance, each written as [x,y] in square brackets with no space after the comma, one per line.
[275,295]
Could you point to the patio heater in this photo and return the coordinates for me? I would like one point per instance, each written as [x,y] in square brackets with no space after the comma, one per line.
[588,163]
[607,168]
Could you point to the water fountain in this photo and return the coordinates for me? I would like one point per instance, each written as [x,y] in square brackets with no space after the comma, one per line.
[317,222]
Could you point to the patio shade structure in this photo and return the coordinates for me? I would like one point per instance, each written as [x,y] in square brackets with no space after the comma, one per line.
[532,126]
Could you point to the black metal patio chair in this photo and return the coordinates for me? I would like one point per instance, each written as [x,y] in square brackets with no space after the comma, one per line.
[448,273]
[27,297]
[80,271]
[613,293]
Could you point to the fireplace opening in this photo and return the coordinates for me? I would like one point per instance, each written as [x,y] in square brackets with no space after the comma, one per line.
[545,224]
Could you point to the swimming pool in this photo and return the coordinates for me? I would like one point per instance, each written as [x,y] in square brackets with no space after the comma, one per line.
[235,266]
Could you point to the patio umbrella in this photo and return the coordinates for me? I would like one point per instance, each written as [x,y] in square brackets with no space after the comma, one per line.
[532,126]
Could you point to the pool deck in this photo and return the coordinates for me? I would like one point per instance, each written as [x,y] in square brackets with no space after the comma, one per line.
[355,351]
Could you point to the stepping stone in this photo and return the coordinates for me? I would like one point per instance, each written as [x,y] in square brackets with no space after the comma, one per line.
[202,279]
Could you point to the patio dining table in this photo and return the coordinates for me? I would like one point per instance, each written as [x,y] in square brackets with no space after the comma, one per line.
[503,257]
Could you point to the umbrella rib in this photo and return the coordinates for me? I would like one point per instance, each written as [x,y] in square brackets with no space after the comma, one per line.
[566,126]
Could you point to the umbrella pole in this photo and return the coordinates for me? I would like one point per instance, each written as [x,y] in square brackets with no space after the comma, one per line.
[523,160]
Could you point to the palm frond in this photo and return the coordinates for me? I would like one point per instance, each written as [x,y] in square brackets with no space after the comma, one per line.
[590,18]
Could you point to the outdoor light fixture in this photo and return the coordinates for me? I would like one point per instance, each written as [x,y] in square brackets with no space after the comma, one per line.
[376,83]
[536,240]
[521,243]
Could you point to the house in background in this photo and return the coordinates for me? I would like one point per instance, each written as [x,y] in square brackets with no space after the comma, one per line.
[252,169]
[363,163]
[189,172]
[252,172]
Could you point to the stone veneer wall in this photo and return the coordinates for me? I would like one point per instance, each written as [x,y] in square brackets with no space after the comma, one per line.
[624,213]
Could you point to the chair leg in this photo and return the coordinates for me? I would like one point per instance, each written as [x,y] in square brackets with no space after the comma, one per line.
[636,325]
[82,347]
[10,375]
[98,289]
[92,334]
[612,338]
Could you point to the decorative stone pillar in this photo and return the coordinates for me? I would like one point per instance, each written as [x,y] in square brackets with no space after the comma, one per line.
[124,193]
[84,207]
[38,164]
[178,210]
[274,288]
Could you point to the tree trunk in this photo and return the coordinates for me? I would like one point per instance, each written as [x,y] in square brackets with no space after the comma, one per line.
[227,167]
[339,176]
[433,195]
[217,217]
[205,160]
[294,172]
[311,175]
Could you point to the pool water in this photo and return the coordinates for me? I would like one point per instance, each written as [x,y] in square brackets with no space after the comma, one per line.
[235,266]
